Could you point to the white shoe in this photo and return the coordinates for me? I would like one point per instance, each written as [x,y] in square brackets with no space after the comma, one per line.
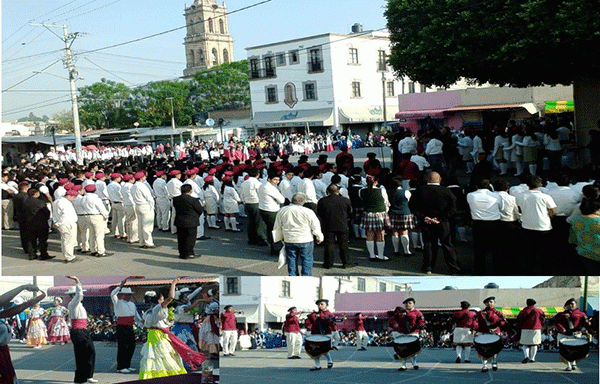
[124,370]
[91,380]
[384,258]
[131,370]
[37,347]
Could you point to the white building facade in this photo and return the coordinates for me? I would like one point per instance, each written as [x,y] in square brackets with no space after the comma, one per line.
[329,81]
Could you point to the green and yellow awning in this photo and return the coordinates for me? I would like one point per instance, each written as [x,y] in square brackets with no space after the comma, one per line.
[559,106]
[512,312]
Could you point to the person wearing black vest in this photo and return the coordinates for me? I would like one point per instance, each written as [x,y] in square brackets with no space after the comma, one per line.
[36,215]
[334,211]
[401,218]
[375,218]
[433,205]
[187,213]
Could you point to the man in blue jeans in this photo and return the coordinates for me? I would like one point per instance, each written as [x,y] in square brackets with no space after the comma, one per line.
[296,226]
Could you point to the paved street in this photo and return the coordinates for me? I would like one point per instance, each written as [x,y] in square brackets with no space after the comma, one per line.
[56,364]
[376,365]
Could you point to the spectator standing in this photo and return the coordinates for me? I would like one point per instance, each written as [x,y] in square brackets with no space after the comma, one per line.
[375,218]
[249,194]
[36,215]
[334,211]
[269,203]
[187,213]
[509,229]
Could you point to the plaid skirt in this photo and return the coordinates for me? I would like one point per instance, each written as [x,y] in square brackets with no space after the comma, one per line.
[357,215]
[402,222]
[375,221]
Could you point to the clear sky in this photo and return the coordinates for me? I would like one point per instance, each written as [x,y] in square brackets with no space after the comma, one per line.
[102,23]
[434,283]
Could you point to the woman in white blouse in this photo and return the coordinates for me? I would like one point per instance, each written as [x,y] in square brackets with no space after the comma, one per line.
[58,329]
[231,201]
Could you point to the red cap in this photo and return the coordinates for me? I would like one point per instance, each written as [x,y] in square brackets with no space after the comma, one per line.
[228,173]
[72,192]
[127,177]
[69,186]
[202,166]
[99,175]
[63,181]
[212,171]
[159,173]
[208,179]
[226,178]
[246,177]
[89,174]
[115,175]
[90,188]
[76,187]
[175,172]
[190,172]
[139,174]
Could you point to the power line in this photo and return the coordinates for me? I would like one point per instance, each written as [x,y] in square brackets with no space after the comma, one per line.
[93,10]
[107,71]
[35,74]
[35,106]
[30,56]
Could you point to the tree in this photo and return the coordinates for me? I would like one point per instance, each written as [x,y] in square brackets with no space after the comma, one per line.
[505,42]
[33,118]
[103,104]
[63,121]
[223,87]
[152,107]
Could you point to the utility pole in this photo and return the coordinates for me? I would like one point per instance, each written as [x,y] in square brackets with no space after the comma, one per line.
[384,113]
[172,119]
[68,39]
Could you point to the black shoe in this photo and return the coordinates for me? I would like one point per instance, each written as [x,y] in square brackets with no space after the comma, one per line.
[315,369]
[203,237]
[84,251]
[329,365]
[33,257]
[297,357]
[94,254]
[187,257]
[457,361]
[494,367]
[148,246]
[327,266]
[484,369]
[46,257]
[231,354]
[416,367]
[291,357]
[397,254]
[467,361]
[349,265]
[362,349]
[402,369]
[105,254]
[525,360]
[75,260]
[336,348]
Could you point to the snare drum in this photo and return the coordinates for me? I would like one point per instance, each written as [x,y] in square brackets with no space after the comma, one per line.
[317,345]
[488,345]
[573,349]
[407,346]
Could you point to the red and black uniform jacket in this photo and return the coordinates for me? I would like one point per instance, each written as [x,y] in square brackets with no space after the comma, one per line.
[292,324]
[568,322]
[324,323]
[359,323]
[531,317]
[490,320]
[228,322]
[465,318]
[408,322]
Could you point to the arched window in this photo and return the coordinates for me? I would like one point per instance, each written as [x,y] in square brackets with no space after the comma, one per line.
[222,26]
[210,26]
[215,56]
[192,60]
[200,57]
[225,56]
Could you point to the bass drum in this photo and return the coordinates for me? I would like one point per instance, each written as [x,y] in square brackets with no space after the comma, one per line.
[488,345]
[317,345]
[573,349]
[407,346]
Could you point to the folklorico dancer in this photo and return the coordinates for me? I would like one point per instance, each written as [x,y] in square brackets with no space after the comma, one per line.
[83,346]
[291,329]
[408,321]
[362,339]
[7,371]
[530,320]
[464,321]
[209,330]
[489,320]
[324,324]
[127,315]
[570,324]
[185,327]
[36,331]
[229,328]
[163,352]
[58,329]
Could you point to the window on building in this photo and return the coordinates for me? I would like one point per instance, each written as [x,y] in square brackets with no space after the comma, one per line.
[269,66]
[271,94]
[389,89]
[233,286]
[310,90]
[315,62]
[423,88]
[285,289]
[225,56]
[200,57]
[192,59]
[222,26]
[397,288]
[215,57]
[280,59]
[353,56]
[356,89]
[382,287]
[254,68]
[361,284]
[411,87]
[210,26]
[294,57]
[381,60]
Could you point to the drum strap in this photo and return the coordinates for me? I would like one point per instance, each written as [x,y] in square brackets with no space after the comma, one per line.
[569,322]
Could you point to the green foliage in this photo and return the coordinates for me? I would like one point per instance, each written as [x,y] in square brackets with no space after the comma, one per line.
[222,87]
[32,117]
[63,121]
[103,104]
[505,42]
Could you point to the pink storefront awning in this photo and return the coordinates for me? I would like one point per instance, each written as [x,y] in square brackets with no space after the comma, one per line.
[433,113]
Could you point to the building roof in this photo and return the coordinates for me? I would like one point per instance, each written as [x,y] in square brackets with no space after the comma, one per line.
[364,34]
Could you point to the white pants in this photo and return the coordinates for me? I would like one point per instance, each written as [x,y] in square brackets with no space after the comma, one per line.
[145,215]
[163,213]
[294,343]
[83,232]
[97,230]
[200,230]
[229,342]
[131,224]
[362,339]
[68,239]
[335,338]
[117,226]
[327,357]
[173,227]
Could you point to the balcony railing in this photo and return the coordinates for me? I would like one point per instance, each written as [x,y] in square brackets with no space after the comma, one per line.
[315,65]
[263,73]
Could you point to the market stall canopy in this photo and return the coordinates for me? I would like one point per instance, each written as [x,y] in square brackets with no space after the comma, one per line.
[275,313]
[312,117]
[39,139]
[364,114]
[512,312]
[559,106]
[423,114]
[530,107]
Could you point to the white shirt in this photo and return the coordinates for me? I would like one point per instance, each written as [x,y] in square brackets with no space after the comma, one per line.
[534,210]
[113,190]
[126,194]
[296,224]
[307,187]
[434,147]
[92,205]
[420,161]
[518,189]
[509,210]
[320,188]
[566,200]
[578,187]
[157,317]
[124,308]
[141,194]
[484,204]
[174,187]
[249,190]
[552,144]
[477,146]
[76,309]
[327,177]
[160,188]
[60,192]
[407,145]
[101,189]
[269,198]
[195,187]
[63,211]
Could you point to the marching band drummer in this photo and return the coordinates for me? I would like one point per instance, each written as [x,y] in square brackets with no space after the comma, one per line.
[362,339]
[570,324]
[530,320]
[291,328]
[229,328]
[489,320]
[408,321]
[463,332]
[324,324]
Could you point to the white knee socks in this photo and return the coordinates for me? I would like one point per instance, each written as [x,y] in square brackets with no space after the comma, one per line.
[459,351]
[227,221]
[526,351]
[405,244]
[233,223]
[519,167]
[532,352]
[503,168]
[396,243]
[371,249]
[467,353]
[380,249]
